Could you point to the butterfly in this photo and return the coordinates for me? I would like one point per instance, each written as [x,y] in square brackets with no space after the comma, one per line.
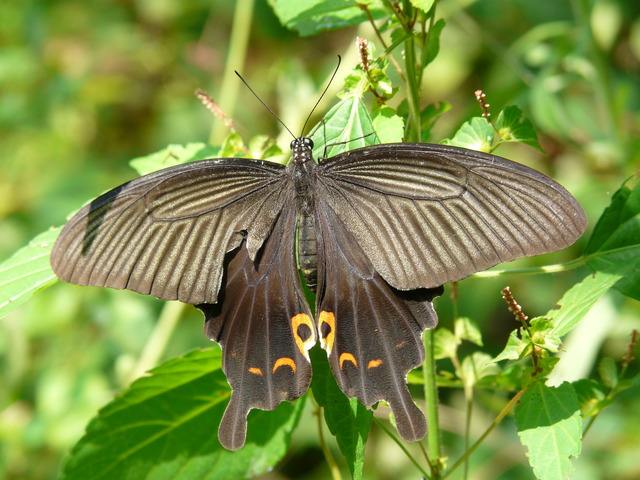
[375,231]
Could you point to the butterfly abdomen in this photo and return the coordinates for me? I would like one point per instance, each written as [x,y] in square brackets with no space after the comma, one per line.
[307,250]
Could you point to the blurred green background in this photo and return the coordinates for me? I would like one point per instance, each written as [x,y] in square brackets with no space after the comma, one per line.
[87,86]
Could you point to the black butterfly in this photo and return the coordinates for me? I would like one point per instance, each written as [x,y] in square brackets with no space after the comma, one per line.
[379,229]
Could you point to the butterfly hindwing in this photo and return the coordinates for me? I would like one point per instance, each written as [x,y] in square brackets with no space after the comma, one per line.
[264,327]
[372,332]
[429,214]
[166,233]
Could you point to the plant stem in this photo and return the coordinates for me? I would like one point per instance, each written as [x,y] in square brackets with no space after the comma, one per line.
[157,343]
[493,425]
[468,393]
[431,398]
[400,445]
[235,60]
[558,267]
[331,461]
[413,98]
[602,84]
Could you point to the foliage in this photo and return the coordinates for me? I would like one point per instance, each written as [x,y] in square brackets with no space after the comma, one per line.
[127,97]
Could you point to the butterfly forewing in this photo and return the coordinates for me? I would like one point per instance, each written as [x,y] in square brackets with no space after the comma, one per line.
[429,214]
[166,233]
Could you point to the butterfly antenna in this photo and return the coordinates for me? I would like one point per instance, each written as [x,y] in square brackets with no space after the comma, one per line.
[265,105]
[323,93]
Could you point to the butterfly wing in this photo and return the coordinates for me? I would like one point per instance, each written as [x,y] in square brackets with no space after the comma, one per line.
[429,214]
[372,332]
[166,233]
[264,326]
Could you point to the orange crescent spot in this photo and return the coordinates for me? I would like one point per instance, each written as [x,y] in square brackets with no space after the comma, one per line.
[284,361]
[374,363]
[296,321]
[255,371]
[330,319]
[347,357]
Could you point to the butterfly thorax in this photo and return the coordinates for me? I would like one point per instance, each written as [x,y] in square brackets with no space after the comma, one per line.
[303,165]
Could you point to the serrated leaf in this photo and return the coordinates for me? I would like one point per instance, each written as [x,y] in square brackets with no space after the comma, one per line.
[165,427]
[348,420]
[173,155]
[608,371]
[476,134]
[466,329]
[614,246]
[311,17]
[578,300]
[445,343]
[550,426]
[347,126]
[27,271]
[513,126]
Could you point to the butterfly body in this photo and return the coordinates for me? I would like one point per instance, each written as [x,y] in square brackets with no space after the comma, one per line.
[303,168]
[379,230]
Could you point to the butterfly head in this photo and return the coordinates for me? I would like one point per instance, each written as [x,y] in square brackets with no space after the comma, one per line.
[302,148]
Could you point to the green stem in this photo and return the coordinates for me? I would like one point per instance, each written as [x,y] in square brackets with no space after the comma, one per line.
[238,42]
[559,267]
[401,446]
[331,461]
[602,85]
[157,343]
[468,393]
[413,97]
[493,425]
[431,398]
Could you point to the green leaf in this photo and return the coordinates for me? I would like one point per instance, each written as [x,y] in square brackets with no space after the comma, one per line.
[578,300]
[310,17]
[424,5]
[542,334]
[389,126]
[514,349]
[428,115]
[164,427]
[614,246]
[233,146]
[608,371]
[445,343]
[346,126]
[477,366]
[173,155]
[476,134]
[590,396]
[26,271]
[433,42]
[550,426]
[513,126]
[466,329]
[262,147]
[348,420]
